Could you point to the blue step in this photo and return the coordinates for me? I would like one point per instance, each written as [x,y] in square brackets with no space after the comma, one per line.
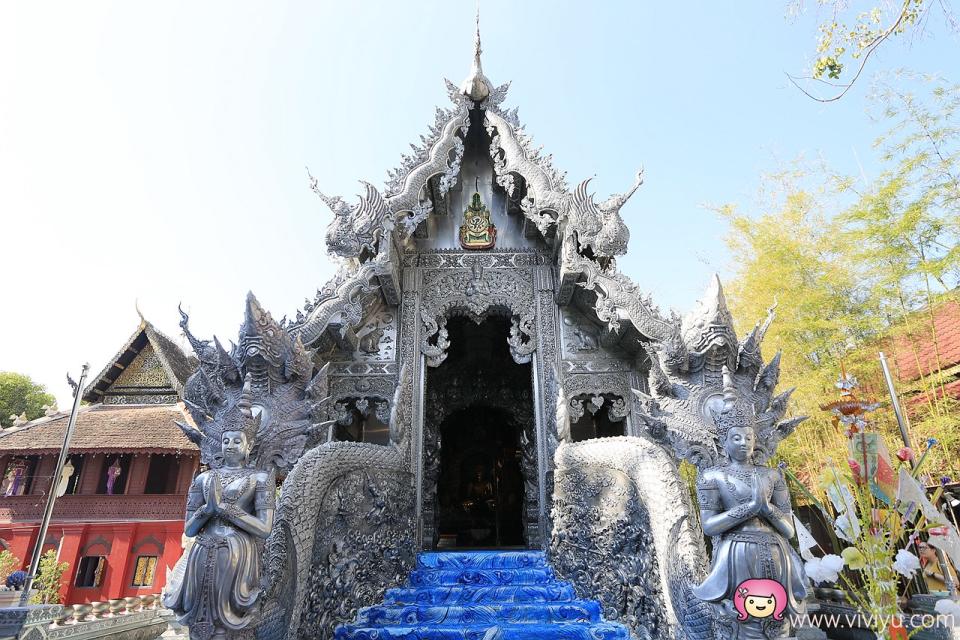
[482,595]
[460,594]
[593,631]
[479,577]
[573,611]
[482,560]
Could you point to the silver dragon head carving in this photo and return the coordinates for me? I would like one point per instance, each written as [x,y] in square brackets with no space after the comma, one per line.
[356,230]
[599,228]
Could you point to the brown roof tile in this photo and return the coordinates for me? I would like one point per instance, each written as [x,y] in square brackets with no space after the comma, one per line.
[103,428]
[917,354]
[951,389]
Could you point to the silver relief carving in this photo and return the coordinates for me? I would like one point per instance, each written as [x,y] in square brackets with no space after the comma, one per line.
[476,294]
[522,339]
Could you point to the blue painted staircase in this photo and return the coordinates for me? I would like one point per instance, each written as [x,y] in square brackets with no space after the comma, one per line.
[482,595]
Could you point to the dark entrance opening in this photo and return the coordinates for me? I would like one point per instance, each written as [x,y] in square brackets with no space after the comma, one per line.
[480,489]
[480,470]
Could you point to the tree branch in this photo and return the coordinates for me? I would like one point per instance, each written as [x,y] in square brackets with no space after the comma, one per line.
[870,48]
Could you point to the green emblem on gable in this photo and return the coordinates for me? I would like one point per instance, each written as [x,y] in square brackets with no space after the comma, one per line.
[477,232]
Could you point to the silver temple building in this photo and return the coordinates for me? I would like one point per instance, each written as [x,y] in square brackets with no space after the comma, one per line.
[479,374]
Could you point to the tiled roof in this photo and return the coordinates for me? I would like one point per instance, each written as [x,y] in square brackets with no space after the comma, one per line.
[103,428]
[916,354]
[951,389]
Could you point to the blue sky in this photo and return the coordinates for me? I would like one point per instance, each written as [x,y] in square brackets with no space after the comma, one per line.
[156,151]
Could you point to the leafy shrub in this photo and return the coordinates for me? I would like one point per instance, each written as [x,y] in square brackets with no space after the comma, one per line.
[47,582]
[8,563]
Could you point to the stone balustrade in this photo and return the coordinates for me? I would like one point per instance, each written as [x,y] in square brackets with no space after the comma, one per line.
[78,613]
[131,618]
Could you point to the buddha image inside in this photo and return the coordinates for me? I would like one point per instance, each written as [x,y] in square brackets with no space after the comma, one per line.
[480,484]
[480,490]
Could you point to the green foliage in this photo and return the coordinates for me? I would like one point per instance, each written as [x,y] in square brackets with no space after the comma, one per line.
[788,253]
[8,564]
[904,231]
[47,582]
[839,42]
[906,224]
[19,394]
[849,34]
[858,269]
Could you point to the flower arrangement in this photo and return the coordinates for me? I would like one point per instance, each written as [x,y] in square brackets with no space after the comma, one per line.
[878,511]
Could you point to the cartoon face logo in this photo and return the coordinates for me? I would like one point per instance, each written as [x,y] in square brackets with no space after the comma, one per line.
[760,598]
[759,607]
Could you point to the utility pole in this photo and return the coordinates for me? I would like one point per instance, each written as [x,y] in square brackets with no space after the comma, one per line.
[52,491]
[897,411]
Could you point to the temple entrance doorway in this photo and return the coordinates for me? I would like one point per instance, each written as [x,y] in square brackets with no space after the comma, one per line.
[480,471]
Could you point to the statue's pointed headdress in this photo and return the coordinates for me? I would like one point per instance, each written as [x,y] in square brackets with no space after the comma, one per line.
[242,417]
[736,412]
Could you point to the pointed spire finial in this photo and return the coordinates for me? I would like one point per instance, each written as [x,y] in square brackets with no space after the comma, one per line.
[476,87]
[245,403]
[477,49]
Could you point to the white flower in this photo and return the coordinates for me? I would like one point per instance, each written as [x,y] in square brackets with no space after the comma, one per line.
[947,607]
[906,564]
[825,569]
[845,527]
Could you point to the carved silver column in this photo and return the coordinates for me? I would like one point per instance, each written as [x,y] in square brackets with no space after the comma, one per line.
[410,353]
[545,367]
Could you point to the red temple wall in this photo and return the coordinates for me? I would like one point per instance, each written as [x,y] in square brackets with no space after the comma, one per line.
[121,543]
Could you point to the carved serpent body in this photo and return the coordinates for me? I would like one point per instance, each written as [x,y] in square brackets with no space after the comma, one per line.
[344,533]
[599,485]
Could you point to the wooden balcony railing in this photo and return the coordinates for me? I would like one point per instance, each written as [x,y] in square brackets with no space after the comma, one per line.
[91,508]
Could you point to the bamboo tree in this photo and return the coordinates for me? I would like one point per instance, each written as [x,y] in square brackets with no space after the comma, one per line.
[858,268]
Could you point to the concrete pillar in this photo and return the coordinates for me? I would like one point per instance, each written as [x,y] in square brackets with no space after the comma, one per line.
[118,562]
[21,542]
[172,550]
[70,553]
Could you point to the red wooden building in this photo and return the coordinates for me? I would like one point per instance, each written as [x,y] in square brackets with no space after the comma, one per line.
[119,520]
[918,356]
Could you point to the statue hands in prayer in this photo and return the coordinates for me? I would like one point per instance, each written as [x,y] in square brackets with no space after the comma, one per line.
[746,509]
[230,511]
